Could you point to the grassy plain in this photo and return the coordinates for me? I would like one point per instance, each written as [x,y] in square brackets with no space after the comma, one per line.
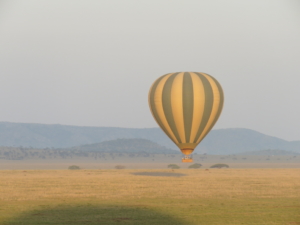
[214,196]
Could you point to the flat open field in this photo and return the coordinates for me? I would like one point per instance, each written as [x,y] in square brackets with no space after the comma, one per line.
[198,196]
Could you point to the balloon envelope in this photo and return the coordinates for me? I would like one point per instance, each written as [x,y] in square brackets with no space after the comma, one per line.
[186,105]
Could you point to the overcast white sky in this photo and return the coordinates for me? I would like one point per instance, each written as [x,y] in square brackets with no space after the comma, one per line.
[92,62]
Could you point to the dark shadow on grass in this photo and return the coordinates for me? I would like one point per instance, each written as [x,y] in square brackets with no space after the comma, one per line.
[94,214]
[159,174]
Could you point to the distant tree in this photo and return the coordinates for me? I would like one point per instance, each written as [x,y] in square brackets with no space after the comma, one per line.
[195,166]
[74,167]
[173,166]
[219,165]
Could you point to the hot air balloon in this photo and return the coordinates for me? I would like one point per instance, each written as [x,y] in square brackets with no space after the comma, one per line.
[186,105]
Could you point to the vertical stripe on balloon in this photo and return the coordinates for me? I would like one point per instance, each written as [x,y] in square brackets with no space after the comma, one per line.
[199,101]
[208,102]
[188,104]
[177,105]
[220,100]
[156,107]
[215,106]
[167,105]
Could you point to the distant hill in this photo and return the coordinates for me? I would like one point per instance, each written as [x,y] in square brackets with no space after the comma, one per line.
[135,145]
[221,141]
[64,136]
[239,140]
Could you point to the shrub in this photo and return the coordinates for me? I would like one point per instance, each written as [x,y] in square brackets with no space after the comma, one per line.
[173,166]
[219,165]
[195,166]
[74,167]
[119,167]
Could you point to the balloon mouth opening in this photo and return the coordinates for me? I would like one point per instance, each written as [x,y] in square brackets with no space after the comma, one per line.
[187,151]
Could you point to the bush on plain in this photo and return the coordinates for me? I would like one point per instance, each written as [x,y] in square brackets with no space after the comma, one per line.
[74,167]
[173,166]
[195,166]
[219,165]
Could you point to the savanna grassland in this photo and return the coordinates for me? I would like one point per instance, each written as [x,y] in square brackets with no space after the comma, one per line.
[200,196]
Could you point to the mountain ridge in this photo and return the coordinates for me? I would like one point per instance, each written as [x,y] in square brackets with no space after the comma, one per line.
[219,141]
[121,145]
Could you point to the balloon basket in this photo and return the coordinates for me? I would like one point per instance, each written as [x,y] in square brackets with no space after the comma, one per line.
[187,159]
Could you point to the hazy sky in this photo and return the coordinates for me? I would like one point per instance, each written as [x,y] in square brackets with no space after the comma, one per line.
[92,62]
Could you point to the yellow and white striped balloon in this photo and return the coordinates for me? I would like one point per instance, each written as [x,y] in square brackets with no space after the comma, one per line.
[186,105]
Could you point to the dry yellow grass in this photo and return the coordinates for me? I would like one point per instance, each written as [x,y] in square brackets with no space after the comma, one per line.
[22,191]
[110,184]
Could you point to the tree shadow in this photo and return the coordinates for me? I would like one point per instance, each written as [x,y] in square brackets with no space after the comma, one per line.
[95,214]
